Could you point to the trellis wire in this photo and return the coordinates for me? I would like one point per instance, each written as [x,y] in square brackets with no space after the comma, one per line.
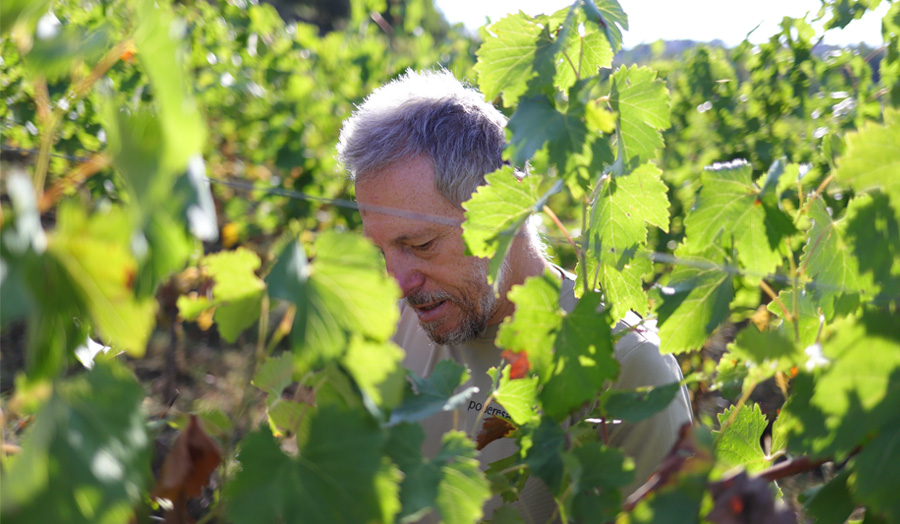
[662,258]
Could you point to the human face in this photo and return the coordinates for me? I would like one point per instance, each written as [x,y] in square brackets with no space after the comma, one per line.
[424,251]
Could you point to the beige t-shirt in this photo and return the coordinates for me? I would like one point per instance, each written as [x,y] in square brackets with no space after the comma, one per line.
[640,364]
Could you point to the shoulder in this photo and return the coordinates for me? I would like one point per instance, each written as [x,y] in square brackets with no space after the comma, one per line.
[640,362]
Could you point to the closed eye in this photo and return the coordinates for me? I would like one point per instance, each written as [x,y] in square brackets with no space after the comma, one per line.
[424,246]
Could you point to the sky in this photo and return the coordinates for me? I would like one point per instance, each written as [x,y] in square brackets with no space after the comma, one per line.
[700,20]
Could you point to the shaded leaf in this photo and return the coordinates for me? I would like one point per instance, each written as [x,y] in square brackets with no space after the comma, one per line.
[872,157]
[86,458]
[639,404]
[332,480]
[435,393]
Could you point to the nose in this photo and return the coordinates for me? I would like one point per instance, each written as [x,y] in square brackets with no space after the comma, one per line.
[405,271]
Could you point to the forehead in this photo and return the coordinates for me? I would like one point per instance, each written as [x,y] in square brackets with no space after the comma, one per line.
[400,199]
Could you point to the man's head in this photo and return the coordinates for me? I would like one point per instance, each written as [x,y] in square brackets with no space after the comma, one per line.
[417,148]
[428,114]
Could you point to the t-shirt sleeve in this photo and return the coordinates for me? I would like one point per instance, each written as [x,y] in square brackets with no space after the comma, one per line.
[648,441]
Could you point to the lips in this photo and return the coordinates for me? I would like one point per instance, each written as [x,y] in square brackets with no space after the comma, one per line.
[431,311]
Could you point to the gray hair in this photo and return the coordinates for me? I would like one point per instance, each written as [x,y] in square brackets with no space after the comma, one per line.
[427,113]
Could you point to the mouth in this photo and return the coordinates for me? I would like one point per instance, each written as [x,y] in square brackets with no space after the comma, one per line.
[430,312]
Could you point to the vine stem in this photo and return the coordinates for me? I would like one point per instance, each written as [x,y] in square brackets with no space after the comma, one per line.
[816,194]
[53,119]
[769,291]
[81,173]
[562,228]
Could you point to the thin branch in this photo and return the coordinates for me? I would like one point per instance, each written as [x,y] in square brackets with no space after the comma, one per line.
[562,228]
[791,467]
[78,175]
[765,287]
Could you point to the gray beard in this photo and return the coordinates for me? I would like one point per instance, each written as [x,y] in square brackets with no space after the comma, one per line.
[475,316]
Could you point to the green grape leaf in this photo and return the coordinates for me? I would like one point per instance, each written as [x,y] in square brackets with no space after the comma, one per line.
[332,480]
[274,374]
[463,489]
[873,234]
[21,13]
[609,15]
[518,49]
[517,396]
[376,368]
[497,211]
[728,212]
[771,351]
[853,394]
[827,259]
[639,404]
[435,393]
[585,51]
[543,448]
[95,253]
[829,503]
[873,477]
[694,302]
[53,57]
[872,157]
[160,51]
[537,122]
[621,211]
[237,292]
[86,458]
[451,483]
[807,316]
[571,353]
[344,290]
[737,444]
[603,468]
[642,102]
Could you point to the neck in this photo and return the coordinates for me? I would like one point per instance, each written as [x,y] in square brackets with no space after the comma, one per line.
[525,261]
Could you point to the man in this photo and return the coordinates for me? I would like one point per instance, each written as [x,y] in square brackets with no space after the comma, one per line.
[416,149]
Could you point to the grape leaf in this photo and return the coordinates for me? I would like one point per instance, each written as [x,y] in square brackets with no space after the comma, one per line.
[830,503]
[694,302]
[87,456]
[827,259]
[237,292]
[451,483]
[872,157]
[493,428]
[376,368]
[609,15]
[497,211]
[639,404]
[771,351]
[519,48]
[586,50]
[873,234]
[728,212]
[873,479]
[621,211]
[332,480]
[543,448]
[537,122]
[518,396]
[855,396]
[604,468]
[186,469]
[807,315]
[94,252]
[344,290]
[738,443]
[642,102]
[435,393]
[570,352]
